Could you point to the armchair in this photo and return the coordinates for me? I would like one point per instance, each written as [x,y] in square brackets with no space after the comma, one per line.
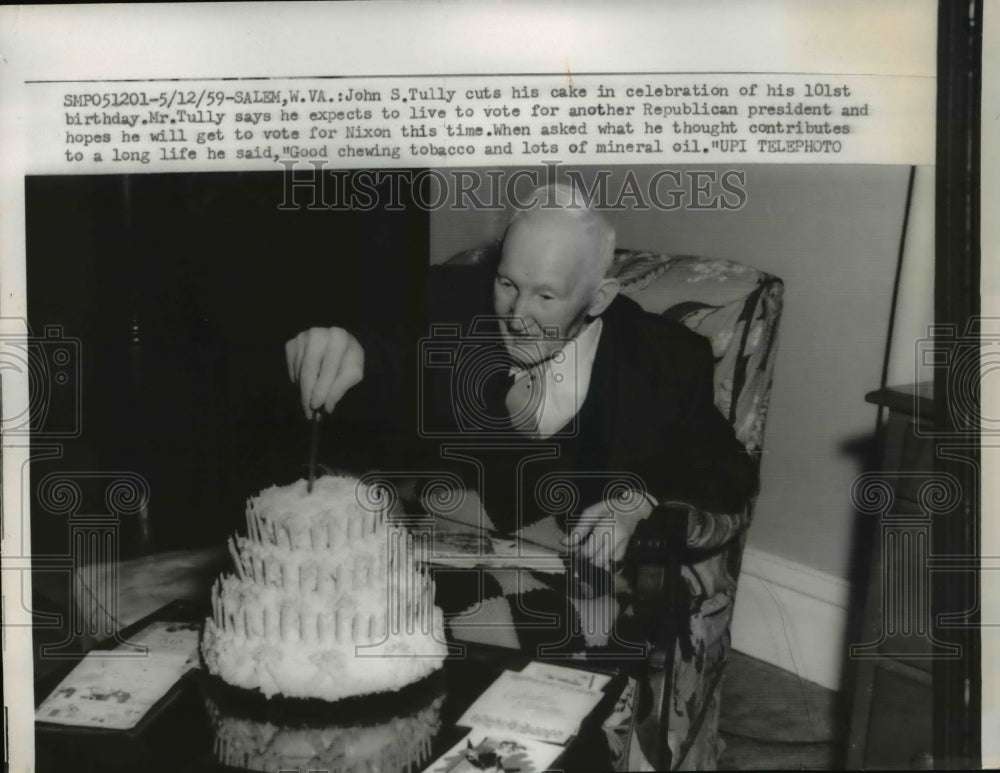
[667,718]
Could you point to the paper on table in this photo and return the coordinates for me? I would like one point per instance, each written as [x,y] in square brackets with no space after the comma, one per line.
[483,750]
[544,534]
[533,708]
[574,677]
[168,640]
[458,544]
[115,689]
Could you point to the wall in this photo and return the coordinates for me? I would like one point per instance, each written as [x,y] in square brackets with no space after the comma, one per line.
[832,234]
[217,278]
[915,308]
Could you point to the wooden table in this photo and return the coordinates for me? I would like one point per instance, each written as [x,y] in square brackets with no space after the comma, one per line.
[178,733]
[76,608]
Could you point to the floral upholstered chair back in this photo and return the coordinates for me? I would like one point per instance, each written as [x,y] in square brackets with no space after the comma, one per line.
[737,308]
[734,306]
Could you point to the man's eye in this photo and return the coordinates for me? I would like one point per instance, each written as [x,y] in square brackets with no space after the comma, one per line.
[547,297]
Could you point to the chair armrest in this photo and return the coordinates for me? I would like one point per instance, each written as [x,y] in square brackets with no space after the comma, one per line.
[712,531]
[662,538]
[674,536]
[660,598]
[702,531]
[661,605]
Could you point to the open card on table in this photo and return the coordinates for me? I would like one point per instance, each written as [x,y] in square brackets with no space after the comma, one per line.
[529,707]
[575,677]
[114,689]
[511,709]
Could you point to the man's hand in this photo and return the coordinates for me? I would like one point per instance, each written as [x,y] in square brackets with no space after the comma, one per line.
[601,533]
[325,362]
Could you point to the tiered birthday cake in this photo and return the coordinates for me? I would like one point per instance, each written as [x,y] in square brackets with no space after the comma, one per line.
[327,600]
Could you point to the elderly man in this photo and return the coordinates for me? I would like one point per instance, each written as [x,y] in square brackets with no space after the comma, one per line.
[567,378]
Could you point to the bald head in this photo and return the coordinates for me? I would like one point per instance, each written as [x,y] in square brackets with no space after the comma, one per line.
[559,209]
[558,242]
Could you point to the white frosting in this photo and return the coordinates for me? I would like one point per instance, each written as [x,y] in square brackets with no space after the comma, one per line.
[327,602]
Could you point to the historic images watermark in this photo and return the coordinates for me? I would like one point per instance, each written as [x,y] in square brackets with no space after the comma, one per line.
[51,415]
[51,362]
[314,185]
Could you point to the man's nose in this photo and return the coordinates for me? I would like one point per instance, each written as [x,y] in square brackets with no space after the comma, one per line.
[518,319]
[516,323]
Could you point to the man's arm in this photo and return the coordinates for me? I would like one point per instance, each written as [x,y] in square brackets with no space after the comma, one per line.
[369,373]
[662,422]
[361,374]
[673,437]
[325,363]
[700,460]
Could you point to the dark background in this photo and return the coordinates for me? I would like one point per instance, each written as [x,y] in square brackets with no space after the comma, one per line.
[182,289]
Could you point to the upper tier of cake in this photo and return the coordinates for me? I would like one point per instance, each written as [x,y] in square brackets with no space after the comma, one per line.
[337,514]
[329,599]
[324,542]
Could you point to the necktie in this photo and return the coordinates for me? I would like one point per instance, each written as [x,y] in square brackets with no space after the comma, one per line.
[524,401]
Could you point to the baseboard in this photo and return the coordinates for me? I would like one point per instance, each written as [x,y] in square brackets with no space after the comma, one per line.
[791,616]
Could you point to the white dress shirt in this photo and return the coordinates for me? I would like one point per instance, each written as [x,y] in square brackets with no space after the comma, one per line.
[545,397]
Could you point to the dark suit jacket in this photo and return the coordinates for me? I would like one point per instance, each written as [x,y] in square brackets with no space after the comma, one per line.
[649,412]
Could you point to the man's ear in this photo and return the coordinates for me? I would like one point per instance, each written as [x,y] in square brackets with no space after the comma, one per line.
[603,294]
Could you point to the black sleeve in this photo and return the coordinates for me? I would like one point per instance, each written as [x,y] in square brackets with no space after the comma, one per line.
[702,464]
[384,409]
